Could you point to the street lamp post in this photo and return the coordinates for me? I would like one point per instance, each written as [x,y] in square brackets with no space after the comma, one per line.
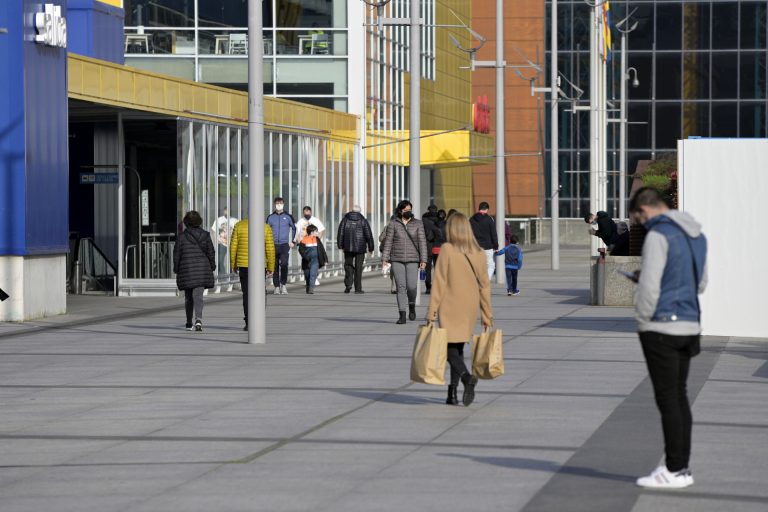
[501,207]
[257,332]
[554,143]
[623,115]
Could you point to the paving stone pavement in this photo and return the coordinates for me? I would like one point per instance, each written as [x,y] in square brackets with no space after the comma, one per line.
[115,407]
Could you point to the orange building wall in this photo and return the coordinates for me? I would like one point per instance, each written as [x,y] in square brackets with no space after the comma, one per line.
[524,115]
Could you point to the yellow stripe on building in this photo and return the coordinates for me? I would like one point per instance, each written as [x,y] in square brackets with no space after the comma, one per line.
[114,3]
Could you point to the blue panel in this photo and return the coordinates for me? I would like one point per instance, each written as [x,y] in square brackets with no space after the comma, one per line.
[96,30]
[12,141]
[47,161]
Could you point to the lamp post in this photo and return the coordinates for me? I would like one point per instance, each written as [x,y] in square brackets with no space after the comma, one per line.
[257,331]
[623,114]
[554,142]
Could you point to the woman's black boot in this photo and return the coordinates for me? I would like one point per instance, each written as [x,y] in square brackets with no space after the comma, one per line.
[412,312]
[401,320]
[469,381]
[453,395]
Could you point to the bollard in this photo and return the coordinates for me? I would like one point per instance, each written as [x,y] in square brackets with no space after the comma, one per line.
[77,278]
[601,277]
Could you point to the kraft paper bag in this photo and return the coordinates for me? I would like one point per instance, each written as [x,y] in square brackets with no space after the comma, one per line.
[430,352]
[487,355]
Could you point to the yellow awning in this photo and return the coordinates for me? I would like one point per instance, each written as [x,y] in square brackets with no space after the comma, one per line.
[439,148]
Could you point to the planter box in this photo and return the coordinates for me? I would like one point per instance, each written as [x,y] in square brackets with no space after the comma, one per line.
[608,287]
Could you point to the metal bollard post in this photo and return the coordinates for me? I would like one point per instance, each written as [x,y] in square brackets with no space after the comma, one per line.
[601,277]
[77,278]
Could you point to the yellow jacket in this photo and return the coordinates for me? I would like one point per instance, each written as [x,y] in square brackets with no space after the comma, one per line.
[238,247]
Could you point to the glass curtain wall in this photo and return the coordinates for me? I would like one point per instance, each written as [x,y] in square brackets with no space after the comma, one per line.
[304,170]
[702,71]
[305,45]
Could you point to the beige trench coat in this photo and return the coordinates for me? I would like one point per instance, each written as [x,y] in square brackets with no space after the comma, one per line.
[456,296]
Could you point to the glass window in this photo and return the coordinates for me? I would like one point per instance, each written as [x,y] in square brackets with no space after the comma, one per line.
[668,73]
[230,13]
[642,37]
[159,13]
[752,75]
[667,125]
[724,120]
[696,19]
[181,68]
[724,75]
[234,173]
[752,120]
[695,75]
[312,76]
[317,41]
[159,42]
[725,25]
[696,119]
[319,13]
[639,127]
[753,24]
[668,26]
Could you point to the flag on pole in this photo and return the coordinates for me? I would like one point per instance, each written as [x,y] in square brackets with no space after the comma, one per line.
[606,46]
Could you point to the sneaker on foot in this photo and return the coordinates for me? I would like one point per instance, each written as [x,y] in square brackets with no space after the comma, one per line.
[283,290]
[189,326]
[277,291]
[516,292]
[662,478]
[317,282]
[198,325]
[509,294]
[347,289]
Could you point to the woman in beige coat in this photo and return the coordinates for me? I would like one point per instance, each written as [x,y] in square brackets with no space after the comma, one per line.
[459,288]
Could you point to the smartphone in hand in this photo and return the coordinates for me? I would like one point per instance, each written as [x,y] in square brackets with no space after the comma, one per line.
[632,276]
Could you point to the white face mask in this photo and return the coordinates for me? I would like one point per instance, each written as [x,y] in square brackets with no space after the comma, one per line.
[279,207]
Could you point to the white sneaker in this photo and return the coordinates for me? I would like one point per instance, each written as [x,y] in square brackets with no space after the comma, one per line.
[317,282]
[662,478]
[277,291]
[283,290]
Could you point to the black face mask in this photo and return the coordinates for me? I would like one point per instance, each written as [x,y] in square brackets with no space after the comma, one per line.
[407,215]
[308,217]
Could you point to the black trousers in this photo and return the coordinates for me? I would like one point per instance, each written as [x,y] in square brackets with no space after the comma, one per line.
[456,361]
[243,273]
[353,270]
[280,276]
[431,261]
[193,303]
[669,359]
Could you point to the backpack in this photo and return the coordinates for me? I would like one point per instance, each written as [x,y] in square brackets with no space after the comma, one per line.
[512,257]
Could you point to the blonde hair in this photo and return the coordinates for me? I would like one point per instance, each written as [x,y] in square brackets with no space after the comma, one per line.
[460,235]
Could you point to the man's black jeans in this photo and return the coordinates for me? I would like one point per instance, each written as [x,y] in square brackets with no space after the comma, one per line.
[353,270]
[668,359]
[243,272]
[282,253]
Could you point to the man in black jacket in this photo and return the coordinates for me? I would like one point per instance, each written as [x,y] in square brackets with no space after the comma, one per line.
[484,228]
[354,237]
[434,228]
[603,227]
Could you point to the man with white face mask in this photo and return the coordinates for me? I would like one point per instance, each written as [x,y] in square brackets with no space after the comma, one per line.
[284,231]
[301,229]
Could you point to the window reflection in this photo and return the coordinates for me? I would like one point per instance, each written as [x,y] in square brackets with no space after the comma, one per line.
[159,13]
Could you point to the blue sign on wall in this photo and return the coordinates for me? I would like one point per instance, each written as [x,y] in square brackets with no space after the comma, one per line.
[102,178]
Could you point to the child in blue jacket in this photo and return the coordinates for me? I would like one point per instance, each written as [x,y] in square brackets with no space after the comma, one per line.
[513,261]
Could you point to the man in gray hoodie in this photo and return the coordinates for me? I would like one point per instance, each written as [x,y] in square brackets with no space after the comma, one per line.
[672,276]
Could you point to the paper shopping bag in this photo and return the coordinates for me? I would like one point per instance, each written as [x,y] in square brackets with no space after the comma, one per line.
[487,355]
[430,352]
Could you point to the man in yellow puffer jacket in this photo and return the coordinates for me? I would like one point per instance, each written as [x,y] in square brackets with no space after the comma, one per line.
[238,256]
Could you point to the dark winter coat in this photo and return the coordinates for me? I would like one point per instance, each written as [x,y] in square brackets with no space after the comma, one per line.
[322,256]
[194,259]
[434,229]
[606,228]
[355,234]
[484,229]
[405,243]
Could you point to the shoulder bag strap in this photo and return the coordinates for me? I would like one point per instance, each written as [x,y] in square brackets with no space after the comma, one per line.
[479,284]
[405,227]
[189,235]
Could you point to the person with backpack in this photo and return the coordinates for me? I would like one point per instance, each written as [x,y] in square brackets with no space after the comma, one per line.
[354,237]
[513,261]
[194,260]
[405,247]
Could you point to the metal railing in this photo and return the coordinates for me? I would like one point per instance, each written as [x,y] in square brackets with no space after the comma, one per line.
[90,269]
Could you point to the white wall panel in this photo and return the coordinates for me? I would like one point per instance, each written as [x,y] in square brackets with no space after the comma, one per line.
[724,185]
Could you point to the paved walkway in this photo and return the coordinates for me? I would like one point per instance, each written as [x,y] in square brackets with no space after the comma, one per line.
[117,407]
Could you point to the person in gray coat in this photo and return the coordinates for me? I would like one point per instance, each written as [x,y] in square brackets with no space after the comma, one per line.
[194,261]
[405,247]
